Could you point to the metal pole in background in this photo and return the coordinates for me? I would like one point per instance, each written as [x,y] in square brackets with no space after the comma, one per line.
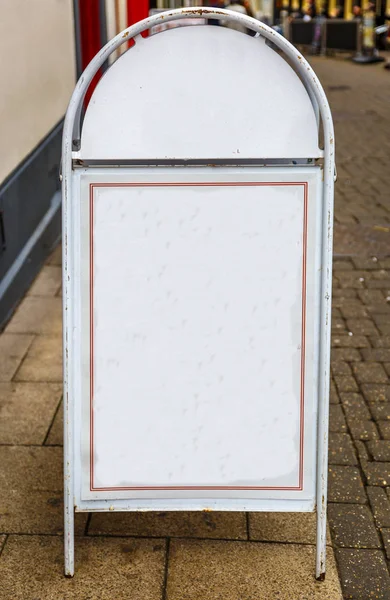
[103,28]
[77,37]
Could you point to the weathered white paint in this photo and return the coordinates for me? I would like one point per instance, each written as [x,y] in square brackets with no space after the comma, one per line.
[76,315]
[185,105]
[37,74]
[207,284]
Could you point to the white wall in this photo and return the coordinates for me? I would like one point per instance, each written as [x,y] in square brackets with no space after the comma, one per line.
[37,73]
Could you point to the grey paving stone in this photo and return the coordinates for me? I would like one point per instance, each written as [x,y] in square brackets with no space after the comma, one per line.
[363,430]
[361,327]
[378,309]
[386,541]
[380,450]
[354,311]
[340,368]
[384,329]
[352,526]
[381,342]
[345,383]
[361,450]
[380,320]
[341,296]
[342,265]
[337,422]
[365,263]
[341,450]
[384,429]
[380,410]
[364,574]
[379,283]
[333,393]
[350,341]
[347,354]
[381,273]
[354,406]
[371,296]
[376,354]
[338,325]
[380,505]
[345,485]
[377,473]
[375,392]
[369,372]
[350,279]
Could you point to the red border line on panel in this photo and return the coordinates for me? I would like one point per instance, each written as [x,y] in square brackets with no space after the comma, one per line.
[91,331]
[303,335]
[299,487]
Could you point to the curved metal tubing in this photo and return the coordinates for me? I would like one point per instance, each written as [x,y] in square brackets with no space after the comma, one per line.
[71,131]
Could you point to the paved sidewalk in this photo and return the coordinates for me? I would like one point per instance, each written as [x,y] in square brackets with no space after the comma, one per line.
[173,556]
[223,556]
[359,479]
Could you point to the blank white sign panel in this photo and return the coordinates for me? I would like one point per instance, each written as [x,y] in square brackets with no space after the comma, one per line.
[197,349]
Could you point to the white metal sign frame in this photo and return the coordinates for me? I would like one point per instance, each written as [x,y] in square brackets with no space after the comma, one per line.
[72,183]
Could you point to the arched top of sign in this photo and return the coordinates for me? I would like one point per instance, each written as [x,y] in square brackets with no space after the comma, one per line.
[263,108]
[200,93]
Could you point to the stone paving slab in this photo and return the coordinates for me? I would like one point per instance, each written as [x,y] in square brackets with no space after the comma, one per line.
[13,348]
[31,467]
[56,431]
[35,512]
[211,570]
[27,410]
[43,360]
[48,282]
[31,568]
[37,315]
[230,525]
[298,528]
[364,574]
[353,526]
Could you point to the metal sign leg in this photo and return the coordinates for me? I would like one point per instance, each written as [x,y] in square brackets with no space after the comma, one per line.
[68,402]
[322,446]
[68,518]
[321,541]
[69,541]
[322,484]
